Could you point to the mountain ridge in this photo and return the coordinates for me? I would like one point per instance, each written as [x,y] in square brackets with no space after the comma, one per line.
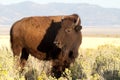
[90,14]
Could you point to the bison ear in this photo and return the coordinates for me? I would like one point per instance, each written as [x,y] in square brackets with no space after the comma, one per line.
[78,28]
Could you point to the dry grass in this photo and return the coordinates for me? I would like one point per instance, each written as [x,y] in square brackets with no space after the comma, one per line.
[5,41]
[94,42]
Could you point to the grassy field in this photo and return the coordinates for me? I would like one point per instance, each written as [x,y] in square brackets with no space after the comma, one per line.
[99,59]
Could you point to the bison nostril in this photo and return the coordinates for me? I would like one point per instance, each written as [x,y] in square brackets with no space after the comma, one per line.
[57,43]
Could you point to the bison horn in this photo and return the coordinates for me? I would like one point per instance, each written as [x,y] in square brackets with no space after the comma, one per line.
[77,22]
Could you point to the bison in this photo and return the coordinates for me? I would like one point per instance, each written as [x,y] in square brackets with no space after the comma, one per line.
[54,38]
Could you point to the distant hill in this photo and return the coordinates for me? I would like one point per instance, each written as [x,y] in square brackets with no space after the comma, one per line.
[91,15]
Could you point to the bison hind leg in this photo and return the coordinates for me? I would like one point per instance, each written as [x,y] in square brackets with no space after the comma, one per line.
[23,58]
[16,53]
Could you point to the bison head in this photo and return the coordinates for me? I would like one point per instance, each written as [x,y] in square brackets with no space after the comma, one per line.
[69,32]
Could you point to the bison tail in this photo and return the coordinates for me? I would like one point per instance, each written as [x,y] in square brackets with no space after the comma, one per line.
[11,35]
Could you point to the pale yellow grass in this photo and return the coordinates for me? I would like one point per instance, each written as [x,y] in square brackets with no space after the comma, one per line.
[5,41]
[87,42]
[94,42]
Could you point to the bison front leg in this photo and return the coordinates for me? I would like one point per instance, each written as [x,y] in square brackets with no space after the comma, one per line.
[57,68]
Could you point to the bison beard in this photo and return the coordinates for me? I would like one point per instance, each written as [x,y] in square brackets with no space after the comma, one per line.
[38,35]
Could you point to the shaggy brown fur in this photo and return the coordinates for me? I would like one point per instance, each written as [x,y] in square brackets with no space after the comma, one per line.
[37,35]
